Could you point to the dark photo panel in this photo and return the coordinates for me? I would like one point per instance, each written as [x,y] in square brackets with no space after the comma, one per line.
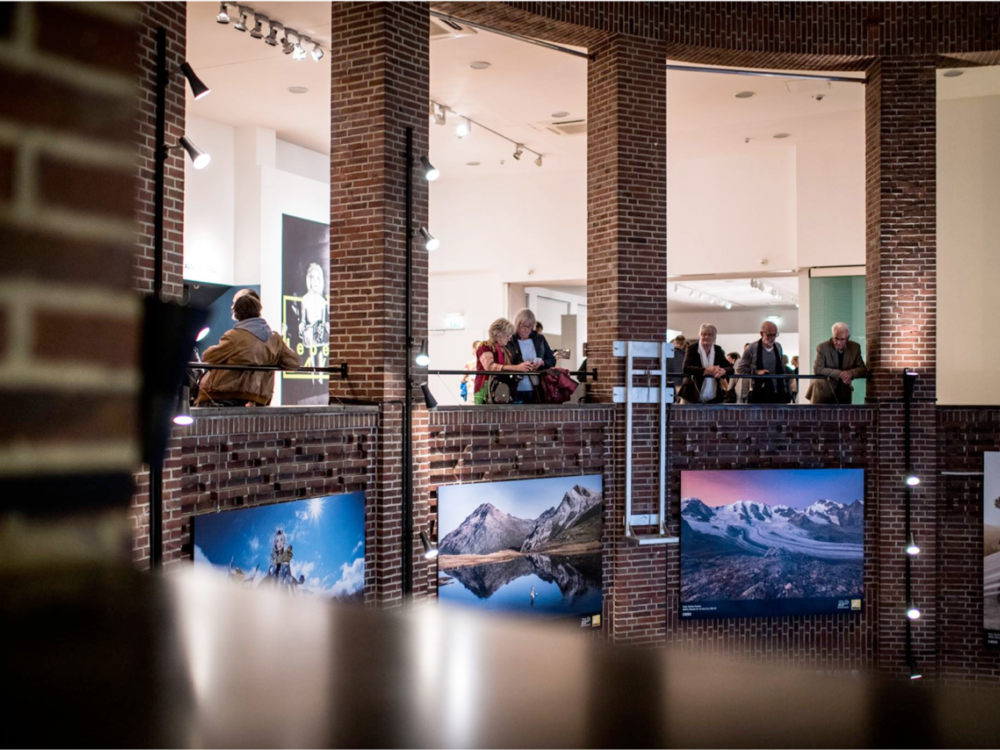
[305,307]
[991,549]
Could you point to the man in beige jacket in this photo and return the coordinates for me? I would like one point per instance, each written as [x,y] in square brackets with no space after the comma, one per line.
[840,360]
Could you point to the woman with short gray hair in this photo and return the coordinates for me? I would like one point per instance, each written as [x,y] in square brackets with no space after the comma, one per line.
[494,356]
[529,347]
[704,367]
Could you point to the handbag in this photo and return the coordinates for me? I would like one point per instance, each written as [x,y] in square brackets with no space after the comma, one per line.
[556,385]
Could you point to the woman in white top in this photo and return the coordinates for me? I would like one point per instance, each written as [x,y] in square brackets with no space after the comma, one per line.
[704,367]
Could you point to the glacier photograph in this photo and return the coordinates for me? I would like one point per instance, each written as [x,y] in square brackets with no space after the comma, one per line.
[991,548]
[529,547]
[311,547]
[771,542]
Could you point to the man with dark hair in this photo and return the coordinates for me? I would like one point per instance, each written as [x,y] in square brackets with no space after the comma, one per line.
[250,342]
[675,364]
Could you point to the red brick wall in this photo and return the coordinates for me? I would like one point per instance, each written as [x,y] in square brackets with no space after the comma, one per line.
[66,158]
[230,459]
[173,17]
[964,434]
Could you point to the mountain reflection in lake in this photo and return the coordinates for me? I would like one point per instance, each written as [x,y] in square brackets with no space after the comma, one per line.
[564,585]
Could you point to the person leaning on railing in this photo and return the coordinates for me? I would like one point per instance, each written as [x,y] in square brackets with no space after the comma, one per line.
[705,365]
[840,360]
[494,356]
[529,345]
[250,342]
[764,357]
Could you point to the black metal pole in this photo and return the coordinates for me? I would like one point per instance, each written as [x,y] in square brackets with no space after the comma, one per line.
[907,398]
[159,154]
[408,395]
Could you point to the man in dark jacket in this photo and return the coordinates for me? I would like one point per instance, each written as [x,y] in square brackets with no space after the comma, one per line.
[250,342]
[764,357]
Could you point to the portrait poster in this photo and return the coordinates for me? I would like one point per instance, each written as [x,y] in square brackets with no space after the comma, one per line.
[991,549]
[313,547]
[531,547]
[771,542]
[305,307]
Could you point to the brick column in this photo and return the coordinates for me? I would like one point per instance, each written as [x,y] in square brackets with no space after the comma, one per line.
[379,87]
[901,111]
[69,323]
[173,17]
[627,294]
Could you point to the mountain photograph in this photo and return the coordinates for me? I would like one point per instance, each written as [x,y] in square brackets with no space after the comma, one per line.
[991,548]
[771,542]
[530,546]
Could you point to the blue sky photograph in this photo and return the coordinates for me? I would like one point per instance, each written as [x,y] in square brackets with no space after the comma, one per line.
[523,498]
[327,536]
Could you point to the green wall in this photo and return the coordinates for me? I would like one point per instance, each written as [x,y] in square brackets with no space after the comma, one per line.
[833,299]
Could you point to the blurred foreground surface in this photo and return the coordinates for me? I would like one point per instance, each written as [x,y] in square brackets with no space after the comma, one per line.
[113,658]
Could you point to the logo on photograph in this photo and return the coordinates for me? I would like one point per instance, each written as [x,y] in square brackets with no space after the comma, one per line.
[595,621]
[855,605]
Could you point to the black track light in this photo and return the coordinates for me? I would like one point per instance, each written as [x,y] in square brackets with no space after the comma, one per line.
[430,549]
[423,358]
[258,23]
[223,16]
[317,52]
[272,38]
[518,152]
[241,25]
[182,414]
[199,159]
[431,173]
[429,401]
[431,243]
[198,88]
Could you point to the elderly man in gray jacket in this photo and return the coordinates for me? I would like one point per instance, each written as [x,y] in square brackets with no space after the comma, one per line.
[840,360]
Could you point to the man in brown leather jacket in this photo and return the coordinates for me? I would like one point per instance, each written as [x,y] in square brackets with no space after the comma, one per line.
[250,342]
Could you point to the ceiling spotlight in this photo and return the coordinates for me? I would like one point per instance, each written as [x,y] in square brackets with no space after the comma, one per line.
[479,65]
[745,94]
[198,89]
[952,73]
[298,53]
[559,115]
[431,172]
[199,159]
[912,610]
[258,22]
[317,52]
[272,38]
[430,550]
[286,43]
[912,480]
[912,548]
[676,288]
[440,114]
[241,25]
[690,292]
[223,16]
[463,128]
[298,90]
[518,152]
[781,135]
[431,242]
[538,161]
[423,358]
[182,414]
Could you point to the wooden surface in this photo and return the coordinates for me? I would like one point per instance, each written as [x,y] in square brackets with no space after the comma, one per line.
[113,658]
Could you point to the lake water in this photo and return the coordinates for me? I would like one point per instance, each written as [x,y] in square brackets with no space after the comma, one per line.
[564,586]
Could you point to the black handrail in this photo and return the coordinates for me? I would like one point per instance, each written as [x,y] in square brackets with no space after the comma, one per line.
[340,369]
[577,374]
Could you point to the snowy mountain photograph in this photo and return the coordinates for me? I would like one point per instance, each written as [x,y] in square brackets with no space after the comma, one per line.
[991,548]
[531,546]
[313,547]
[770,542]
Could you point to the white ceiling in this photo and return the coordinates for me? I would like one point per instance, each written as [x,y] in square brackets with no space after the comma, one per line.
[737,291]
[250,80]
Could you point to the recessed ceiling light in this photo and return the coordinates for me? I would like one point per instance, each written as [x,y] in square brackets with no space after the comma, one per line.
[745,94]
[953,73]
[297,89]
[558,115]
[479,65]
[781,135]
[473,163]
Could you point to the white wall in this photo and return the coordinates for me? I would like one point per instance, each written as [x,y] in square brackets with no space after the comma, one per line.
[210,204]
[725,213]
[968,240]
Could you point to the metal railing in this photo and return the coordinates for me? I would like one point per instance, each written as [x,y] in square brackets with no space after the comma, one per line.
[340,369]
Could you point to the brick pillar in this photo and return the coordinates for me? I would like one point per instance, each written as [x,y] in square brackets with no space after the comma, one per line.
[69,323]
[627,293]
[901,112]
[173,17]
[380,86]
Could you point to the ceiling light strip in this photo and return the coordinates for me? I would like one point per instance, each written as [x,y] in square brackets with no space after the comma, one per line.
[509,35]
[478,124]
[704,296]
[767,74]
